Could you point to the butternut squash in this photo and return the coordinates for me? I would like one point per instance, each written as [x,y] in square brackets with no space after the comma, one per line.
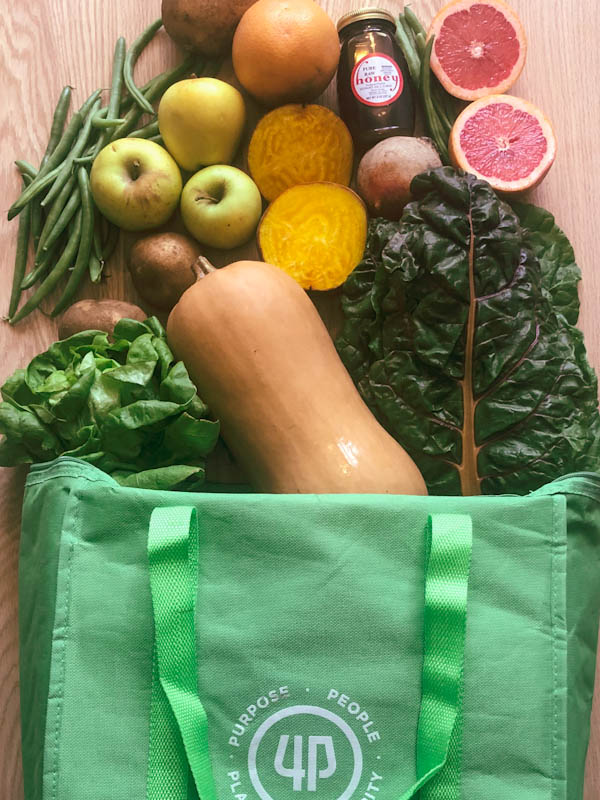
[263,360]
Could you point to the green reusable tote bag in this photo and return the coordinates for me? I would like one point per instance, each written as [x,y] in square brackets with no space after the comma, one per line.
[300,647]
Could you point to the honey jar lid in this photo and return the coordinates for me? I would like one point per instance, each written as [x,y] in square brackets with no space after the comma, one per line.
[364,14]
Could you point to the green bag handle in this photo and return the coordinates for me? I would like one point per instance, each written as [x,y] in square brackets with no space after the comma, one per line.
[173,559]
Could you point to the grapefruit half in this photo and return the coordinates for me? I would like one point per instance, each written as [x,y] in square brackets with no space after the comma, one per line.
[479,47]
[504,140]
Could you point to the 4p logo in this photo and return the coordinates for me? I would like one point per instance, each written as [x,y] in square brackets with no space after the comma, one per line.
[297,772]
[324,757]
[304,752]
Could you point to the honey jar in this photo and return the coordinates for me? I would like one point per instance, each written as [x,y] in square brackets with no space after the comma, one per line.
[373,83]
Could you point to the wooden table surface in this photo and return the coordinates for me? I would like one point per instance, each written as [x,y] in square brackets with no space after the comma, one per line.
[45,44]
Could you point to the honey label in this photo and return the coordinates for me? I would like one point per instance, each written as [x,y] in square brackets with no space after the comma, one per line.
[376,80]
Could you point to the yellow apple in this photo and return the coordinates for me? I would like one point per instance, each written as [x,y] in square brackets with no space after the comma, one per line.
[135,183]
[221,206]
[201,121]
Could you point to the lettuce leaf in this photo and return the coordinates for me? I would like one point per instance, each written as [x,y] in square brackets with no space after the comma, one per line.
[125,406]
[459,333]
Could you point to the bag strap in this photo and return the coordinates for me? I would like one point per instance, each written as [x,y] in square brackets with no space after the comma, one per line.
[173,559]
[447,566]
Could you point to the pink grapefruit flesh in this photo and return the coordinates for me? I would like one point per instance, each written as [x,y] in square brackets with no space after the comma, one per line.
[504,140]
[479,48]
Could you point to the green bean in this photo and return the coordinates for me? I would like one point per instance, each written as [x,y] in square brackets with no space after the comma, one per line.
[40,267]
[158,139]
[67,166]
[20,256]
[114,99]
[414,21]
[53,278]
[407,29]
[116,88]
[37,222]
[446,120]
[63,209]
[433,122]
[410,54]
[106,122]
[55,211]
[63,147]
[35,188]
[130,59]
[421,43]
[131,118]
[25,168]
[55,160]
[127,101]
[445,102]
[95,267]
[97,243]
[58,122]
[158,86]
[85,242]
[110,243]
[36,219]
[151,129]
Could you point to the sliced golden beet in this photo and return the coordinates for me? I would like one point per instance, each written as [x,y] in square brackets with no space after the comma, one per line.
[299,144]
[316,232]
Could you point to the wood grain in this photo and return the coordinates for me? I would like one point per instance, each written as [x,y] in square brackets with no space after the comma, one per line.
[48,43]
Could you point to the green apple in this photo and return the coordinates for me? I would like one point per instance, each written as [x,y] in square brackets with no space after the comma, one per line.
[135,183]
[221,206]
[201,121]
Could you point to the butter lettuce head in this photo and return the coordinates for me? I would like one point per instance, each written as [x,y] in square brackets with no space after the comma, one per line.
[125,406]
[459,332]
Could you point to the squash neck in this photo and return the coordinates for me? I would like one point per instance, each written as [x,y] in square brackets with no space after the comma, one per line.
[202,267]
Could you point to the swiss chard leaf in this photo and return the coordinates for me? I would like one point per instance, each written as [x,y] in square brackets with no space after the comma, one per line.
[458,334]
[560,273]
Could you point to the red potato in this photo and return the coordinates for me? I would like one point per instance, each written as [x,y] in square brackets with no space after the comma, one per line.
[96,315]
[161,267]
[205,26]
[385,173]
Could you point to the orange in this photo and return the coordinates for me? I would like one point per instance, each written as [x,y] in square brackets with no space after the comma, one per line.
[479,48]
[504,140]
[285,51]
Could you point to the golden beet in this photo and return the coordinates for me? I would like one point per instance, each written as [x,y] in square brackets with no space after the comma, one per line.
[316,232]
[299,144]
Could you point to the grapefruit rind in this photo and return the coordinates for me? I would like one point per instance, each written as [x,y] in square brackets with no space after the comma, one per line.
[474,94]
[460,159]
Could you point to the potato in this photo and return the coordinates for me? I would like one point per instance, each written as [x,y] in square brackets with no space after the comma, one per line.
[161,267]
[386,170]
[96,315]
[205,26]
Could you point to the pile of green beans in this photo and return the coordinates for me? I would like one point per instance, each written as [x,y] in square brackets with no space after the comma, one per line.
[440,108]
[56,209]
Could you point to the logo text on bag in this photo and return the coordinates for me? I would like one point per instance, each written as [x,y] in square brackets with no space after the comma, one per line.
[306,750]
